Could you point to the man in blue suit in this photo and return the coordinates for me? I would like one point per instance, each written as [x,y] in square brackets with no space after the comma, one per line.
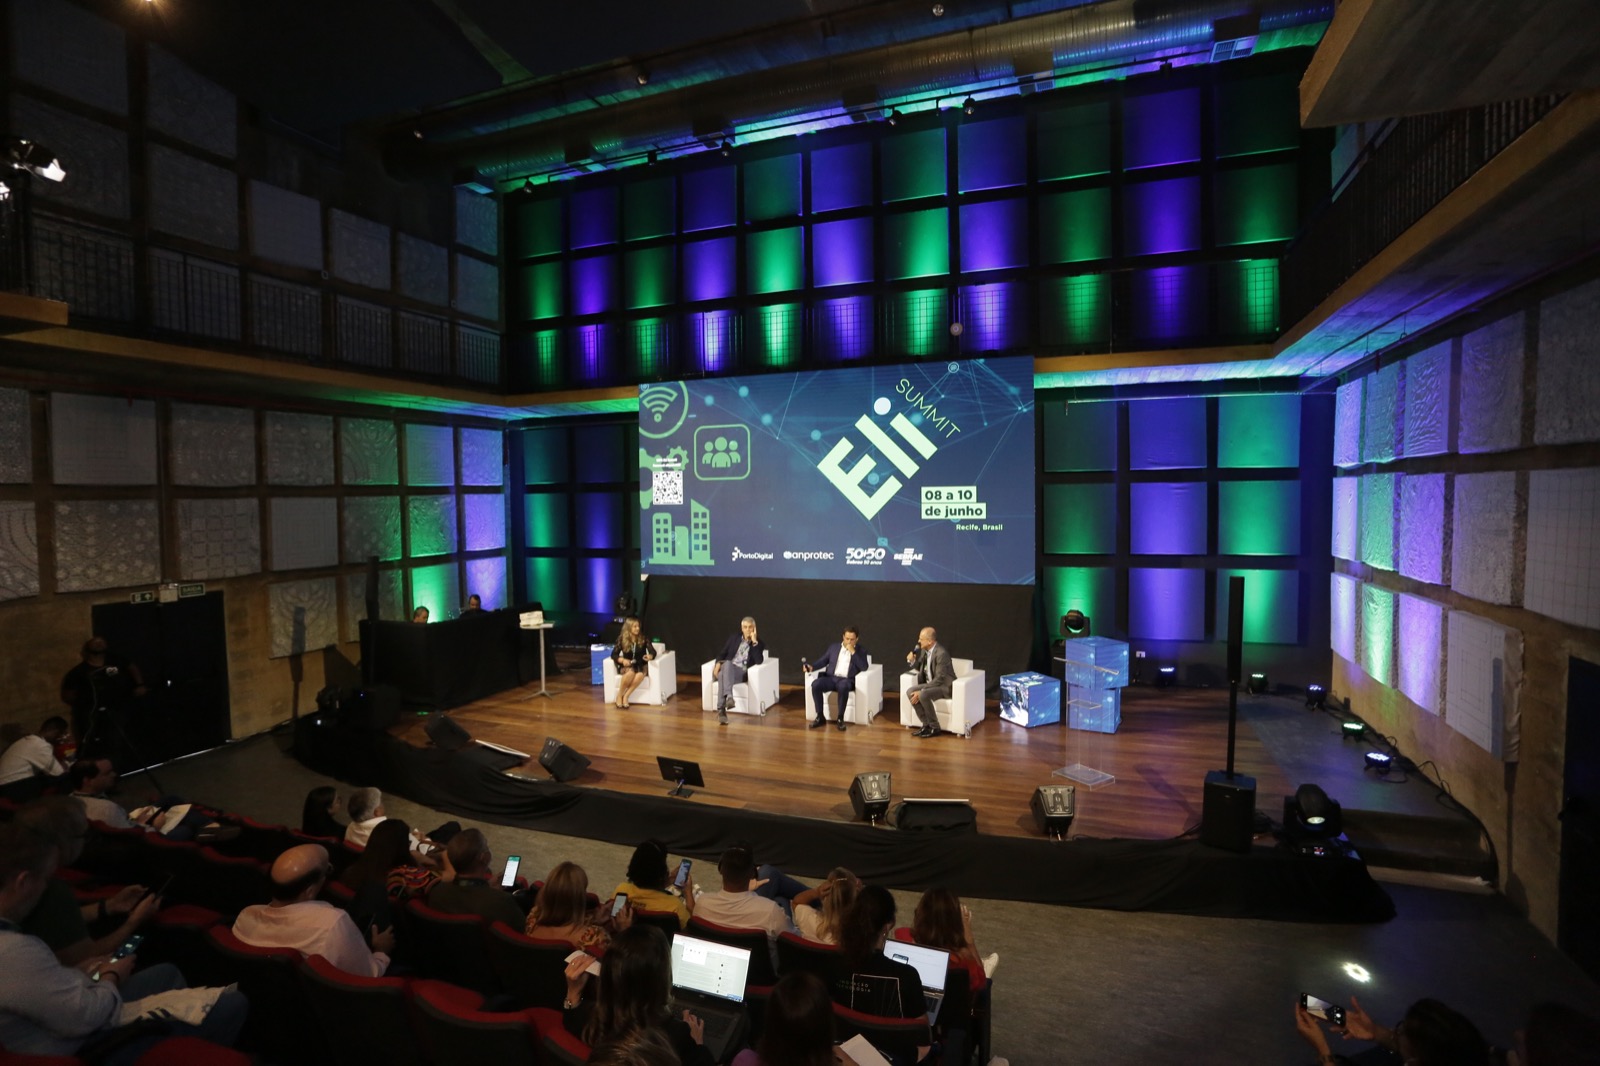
[838,668]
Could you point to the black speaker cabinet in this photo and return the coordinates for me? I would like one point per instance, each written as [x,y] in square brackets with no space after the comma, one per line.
[869,795]
[447,733]
[1236,629]
[947,815]
[1053,807]
[563,762]
[1228,811]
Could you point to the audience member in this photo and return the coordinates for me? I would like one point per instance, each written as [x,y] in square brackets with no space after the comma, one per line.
[365,807]
[738,905]
[420,615]
[385,874]
[297,919]
[1430,1034]
[797,1029]
[634,992]
[1557,1035]
[836,893]
[472,891]
[641,1047]
[171,817]
[30,765]
[561,912]
[941,920]
[869,981]
[103,679]
[647,888]
[50,1009]
[58,919]
[316,817]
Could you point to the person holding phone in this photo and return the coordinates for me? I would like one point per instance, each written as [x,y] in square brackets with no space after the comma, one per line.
[633,992]
[651,886]
[739,654]
[561,912]
[474,890]
[1430,1034]
[631,654]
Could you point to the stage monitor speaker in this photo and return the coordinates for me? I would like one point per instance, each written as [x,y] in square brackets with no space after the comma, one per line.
[564,763]
[945,815]
[1236,629]
[1053,807]
[1228,811]
[447,733]
[869,795]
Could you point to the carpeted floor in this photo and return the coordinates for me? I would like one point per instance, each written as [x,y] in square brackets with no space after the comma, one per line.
[1092,986]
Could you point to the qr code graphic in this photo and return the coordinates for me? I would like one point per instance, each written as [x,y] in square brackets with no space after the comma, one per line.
[666,487]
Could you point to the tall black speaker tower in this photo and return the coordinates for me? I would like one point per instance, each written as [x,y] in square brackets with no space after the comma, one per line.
[1227,813]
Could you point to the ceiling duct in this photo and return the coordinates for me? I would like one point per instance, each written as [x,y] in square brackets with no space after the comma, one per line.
[486,135]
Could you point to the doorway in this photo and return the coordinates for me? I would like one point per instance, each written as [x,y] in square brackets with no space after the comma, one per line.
[1578,923]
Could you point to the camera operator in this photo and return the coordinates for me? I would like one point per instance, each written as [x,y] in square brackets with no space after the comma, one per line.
[104,678]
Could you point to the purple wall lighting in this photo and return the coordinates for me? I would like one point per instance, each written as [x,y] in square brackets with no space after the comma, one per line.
[1166,604]
[593,351]
[708,269]
[713,339]
[842,254]
[599,519]
[1168,518]
[1169,303]
[991,316]
[993,154]
[1162,216]
[841,177]
[487,579]
[843,328]
[708,198]
[1167,434]
[994,235]
[594,285]
[600,582]
[594,218]
[1161,128]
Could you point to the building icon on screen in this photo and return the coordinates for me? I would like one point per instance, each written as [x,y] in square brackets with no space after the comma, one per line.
[675,545]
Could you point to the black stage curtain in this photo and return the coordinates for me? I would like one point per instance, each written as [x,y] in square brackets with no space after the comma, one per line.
[989,624]
[1173,876]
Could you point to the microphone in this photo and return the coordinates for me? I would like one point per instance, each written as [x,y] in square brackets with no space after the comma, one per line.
[109,671]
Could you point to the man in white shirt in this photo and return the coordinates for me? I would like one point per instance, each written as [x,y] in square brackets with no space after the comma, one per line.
[737,905]
[30,764]
[297,919]
[837,668]
[365,806]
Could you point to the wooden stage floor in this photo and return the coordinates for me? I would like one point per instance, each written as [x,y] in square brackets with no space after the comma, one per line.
[1168,741]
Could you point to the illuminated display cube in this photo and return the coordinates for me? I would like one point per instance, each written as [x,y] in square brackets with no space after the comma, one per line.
[1096,663]
[1030,699]
[1093,709]
[598,654]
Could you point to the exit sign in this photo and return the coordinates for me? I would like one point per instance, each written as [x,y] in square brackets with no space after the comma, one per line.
[142,597]
[197,588]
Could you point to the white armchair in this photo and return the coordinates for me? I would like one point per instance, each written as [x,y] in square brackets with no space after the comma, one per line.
[661,679]
[753,695]
[866,699]
[959,713]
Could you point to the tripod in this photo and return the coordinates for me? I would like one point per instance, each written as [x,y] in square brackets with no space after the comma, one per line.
[101,716]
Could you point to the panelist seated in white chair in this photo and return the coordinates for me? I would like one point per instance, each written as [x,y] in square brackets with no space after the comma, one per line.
[741,652]
[631,655]
[935,679]
[836,671]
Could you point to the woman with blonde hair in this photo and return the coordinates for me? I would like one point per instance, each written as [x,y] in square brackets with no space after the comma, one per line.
[837,893]
[561,912]
[631,654]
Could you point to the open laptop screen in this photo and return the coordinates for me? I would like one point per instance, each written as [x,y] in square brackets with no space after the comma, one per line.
[931,963]
[705,966]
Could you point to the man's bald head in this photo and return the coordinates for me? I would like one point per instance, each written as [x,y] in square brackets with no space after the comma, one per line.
[299,872]
[929,634]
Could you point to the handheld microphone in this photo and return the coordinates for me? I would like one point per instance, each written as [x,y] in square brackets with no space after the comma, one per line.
[109,671]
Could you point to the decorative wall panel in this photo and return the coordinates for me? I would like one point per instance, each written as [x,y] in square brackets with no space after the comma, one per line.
[299,449]
[218,538]
[285,227]
[1380,421]
[1427,423]
[304,616]
[486,578]
[1564,545]
[285,317]
[371,527]
[1167,434]
[1482,541]
[104,544]
[1483,675]
[391,600]
[477,288]
[430,455]
[477,221]
[62,47]
[102,440]
[212,446]
[1567,410]
[305,532]
[19,550]
[485,520]
[1491,387]
[16,438]
[432,525]
[1347,423]
[369,451]
[191,107]
[192,198]
[1375,634]
[424,270]
[1377,520]
[1344,592]
[360,249]
[437,588]
[1424,541]
[1166,604]
[1347,518]
[1419,654]
[481,456]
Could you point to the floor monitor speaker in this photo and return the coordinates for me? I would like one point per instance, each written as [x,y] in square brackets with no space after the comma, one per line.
[1228,811]
[564,763]
[447,733]
[869,795]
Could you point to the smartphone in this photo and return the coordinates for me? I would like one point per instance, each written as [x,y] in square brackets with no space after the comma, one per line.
[682,880]
[509,878]
[128,946]
[162,891]
[617,904]
[1331,1013]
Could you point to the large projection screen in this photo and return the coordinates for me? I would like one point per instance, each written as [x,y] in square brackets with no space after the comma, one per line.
[909,473]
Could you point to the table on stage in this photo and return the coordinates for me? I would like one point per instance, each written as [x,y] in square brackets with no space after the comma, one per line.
[541,627]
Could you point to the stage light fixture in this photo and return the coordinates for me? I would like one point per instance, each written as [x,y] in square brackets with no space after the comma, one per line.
[1075,624]
[1379,760]
[1353,730]
[970,105]
[869,795]
[727,145]
[1311,813]
[1054,807]
[652,157]
[1316,697]
[1165,676]
[33,157]
[893,117]
[1257,684]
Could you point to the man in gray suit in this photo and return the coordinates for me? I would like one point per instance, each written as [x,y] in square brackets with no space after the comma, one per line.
[935,677]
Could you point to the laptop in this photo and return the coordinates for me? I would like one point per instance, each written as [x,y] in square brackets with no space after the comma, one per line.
[709,979]
[931,964]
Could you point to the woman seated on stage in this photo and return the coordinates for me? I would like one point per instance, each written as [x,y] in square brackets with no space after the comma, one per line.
[631,654]
[561,912]
[316,817]
[633,992]
[836,894]
[943,921]
[647,888]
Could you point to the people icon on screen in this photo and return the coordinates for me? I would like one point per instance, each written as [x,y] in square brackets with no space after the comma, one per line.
[721,454]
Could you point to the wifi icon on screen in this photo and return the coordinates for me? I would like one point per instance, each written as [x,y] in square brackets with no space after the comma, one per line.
[662,408]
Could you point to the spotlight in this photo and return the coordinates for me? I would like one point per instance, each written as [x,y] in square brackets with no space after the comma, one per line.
[1316,697]
[1310,812]
[652,157]
[1256,685]
[1379,760]
[642,76]
[5,192]
[1353,730]
[33,157]
[970,105]
[1165,676]
[527,185]
[727,145]
[417,133]
[938,10]
[893,117]
[1074,624]
[1053,809]
[869,795]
